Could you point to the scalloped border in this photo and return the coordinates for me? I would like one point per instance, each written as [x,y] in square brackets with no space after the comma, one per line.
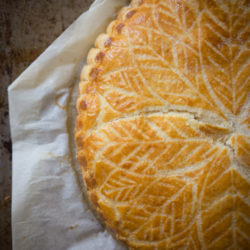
[89,73]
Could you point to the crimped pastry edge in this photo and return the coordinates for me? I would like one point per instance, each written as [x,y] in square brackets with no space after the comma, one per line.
[102,43]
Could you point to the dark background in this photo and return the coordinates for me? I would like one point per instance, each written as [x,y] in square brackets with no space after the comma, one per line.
[27,28]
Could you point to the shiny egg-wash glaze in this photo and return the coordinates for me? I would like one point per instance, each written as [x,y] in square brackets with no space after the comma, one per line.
[163,125]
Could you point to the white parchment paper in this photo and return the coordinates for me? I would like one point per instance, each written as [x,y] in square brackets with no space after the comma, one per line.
[49,210]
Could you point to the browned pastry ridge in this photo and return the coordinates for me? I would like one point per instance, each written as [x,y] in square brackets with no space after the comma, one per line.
[163,125]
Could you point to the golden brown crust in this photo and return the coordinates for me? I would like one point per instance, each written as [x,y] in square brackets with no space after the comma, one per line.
[163,125]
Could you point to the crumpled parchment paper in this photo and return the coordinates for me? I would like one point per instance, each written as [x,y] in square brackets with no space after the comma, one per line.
[49,208]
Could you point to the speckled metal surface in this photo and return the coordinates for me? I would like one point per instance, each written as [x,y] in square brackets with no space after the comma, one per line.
[27,27]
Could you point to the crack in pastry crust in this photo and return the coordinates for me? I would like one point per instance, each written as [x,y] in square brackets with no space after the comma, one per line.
[163,125]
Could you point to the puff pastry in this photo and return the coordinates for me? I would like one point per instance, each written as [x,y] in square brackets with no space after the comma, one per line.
[163,125]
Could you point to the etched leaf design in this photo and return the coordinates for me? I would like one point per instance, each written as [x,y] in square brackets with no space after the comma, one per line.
[197,51]
[170,180]
[225,51]
[160,175]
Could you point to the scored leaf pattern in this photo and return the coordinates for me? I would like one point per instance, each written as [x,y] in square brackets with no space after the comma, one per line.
[166,180]
[198,55]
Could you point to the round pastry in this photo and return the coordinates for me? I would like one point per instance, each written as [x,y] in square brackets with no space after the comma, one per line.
[163,125]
